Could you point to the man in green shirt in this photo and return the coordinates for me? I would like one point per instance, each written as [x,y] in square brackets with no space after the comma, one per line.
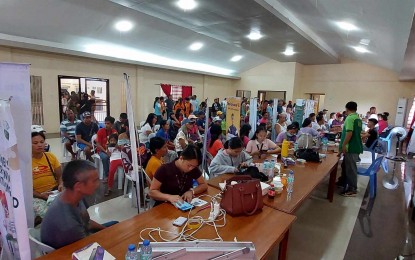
[350,146]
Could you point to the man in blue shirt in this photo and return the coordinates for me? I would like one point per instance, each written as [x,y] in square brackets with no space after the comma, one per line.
[201,122]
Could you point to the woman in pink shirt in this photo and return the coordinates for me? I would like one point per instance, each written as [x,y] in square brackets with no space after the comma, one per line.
[259,144]
[382,122]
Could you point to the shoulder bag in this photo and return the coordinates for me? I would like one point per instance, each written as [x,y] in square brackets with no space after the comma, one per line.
[242,198]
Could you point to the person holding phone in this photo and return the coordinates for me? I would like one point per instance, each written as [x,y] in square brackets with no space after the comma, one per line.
[173,182]
[260,144]
[230,159]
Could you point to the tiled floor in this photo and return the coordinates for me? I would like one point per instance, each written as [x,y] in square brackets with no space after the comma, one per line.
[339,230]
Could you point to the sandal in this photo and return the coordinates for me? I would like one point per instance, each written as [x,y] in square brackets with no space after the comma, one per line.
[107,193]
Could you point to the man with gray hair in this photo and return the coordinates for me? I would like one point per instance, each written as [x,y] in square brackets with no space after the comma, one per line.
[67,219]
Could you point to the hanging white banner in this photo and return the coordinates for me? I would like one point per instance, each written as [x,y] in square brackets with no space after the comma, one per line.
[14,81]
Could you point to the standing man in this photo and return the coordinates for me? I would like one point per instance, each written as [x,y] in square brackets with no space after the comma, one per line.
[188,109]
[350,146]
[224,104]
[120,124]
[169,105]
[101,142]
[84,132]
[67,128]
[195,103]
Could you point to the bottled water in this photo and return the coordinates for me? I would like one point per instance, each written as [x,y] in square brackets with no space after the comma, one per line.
[295,146]
[266,167]
[272,168]
[146,250]
[290,185]
[325,142]
[131,254]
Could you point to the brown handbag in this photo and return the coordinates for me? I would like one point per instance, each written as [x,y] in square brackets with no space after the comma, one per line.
[243,198]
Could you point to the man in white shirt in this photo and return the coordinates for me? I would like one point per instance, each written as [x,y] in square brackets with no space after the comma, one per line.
[325,115]
[319,126]
[195,103]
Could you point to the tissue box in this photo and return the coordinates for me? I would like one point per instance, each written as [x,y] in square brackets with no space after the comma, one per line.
[264,187]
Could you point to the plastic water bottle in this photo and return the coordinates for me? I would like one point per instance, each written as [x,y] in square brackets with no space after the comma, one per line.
[131,254]
[290,185]
[146,250]
[295,146]
[325,142]
[266,167]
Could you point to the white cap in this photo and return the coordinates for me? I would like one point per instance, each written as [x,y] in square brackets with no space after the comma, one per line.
[216,118]
[37,129]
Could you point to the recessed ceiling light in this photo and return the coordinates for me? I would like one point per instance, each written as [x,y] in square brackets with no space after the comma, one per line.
[364,42]
[236,58]
[289,51]
[196,46]
[123,26]
[254,35]
[187,4]
[360,49]
[347,26]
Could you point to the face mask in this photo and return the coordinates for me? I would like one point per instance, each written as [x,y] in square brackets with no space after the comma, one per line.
[289,134]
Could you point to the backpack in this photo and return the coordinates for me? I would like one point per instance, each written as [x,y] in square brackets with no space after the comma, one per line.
[305,141]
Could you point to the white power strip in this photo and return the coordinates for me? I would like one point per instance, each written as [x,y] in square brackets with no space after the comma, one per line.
[214,211]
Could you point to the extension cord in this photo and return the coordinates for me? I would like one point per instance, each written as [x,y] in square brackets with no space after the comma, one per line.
[214,212]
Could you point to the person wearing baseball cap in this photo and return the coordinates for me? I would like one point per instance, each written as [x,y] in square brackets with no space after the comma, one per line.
[183,136]
[84,132]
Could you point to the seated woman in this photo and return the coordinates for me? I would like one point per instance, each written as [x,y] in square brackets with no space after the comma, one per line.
[147,129]
[281,125]
[231,158]
[173,182]
[289,135]
[46,172]
[215,144]
[183,137]
[244,133]
[158,148]
[307,128]
[259,144]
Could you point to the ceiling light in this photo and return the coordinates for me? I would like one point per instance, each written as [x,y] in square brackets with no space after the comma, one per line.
[289,51]
[254,35]
[236,58]
[364,42]
[196,46]
[187,4]
[360,49]
[346,26]
[123,26]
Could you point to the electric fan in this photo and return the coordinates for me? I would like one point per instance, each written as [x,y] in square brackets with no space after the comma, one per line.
[391,182]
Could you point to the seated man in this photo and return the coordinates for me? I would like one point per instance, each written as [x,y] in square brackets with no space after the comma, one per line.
[158,148]
[371,134]
[67,128]
[84,132]
[67,219]
[319,125]
[121,122]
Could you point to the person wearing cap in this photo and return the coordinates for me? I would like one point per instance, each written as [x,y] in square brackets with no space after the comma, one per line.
[67,129]
[289,135]
[194,131]
[39,129]
[200,122]
[307,129]
[121,122]
[84,132]
[183,136]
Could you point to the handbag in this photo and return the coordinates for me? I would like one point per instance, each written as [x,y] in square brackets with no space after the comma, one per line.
[242,198]
[254,173]
[307,154]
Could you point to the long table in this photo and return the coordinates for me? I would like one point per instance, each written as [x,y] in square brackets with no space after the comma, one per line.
[307,177]
[265,229]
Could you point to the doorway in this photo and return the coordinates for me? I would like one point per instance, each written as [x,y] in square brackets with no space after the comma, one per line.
[97,90]
[318,101]
[271,95]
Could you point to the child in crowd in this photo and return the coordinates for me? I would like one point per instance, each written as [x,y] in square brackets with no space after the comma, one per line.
[231,158]
[115,160]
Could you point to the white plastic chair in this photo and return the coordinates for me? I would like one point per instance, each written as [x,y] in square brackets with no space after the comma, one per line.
[97,159]
[120,176]
[156,128]
[41,248]
[65,152]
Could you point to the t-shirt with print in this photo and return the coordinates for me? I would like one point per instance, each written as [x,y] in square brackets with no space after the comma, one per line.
[64,224]
[173,181]
[180,135]
[352,123]
[266,145]
[86,131]
[213,150]
[43,178]
[102,137]
[153,164]
[143,136]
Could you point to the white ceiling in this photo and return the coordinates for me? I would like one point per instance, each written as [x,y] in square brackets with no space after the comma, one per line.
[162,32]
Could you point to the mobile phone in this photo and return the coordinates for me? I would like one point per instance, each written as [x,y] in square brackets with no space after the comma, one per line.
[179,221]
[183,206]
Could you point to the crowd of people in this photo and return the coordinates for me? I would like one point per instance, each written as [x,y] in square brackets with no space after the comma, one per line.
[170,140]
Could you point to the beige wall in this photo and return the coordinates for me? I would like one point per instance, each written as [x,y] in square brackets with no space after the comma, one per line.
[352,81]
[272,75]
[142,81]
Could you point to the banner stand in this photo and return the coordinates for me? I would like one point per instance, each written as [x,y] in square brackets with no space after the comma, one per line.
[253,116]
[205,136]
[274,119]
[136,176]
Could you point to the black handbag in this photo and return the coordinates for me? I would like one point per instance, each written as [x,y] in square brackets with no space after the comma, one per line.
[254,173]
[307,154]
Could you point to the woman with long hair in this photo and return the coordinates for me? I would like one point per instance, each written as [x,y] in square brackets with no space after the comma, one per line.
[215,143]
[260,144]
[148,128]
[244,133]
